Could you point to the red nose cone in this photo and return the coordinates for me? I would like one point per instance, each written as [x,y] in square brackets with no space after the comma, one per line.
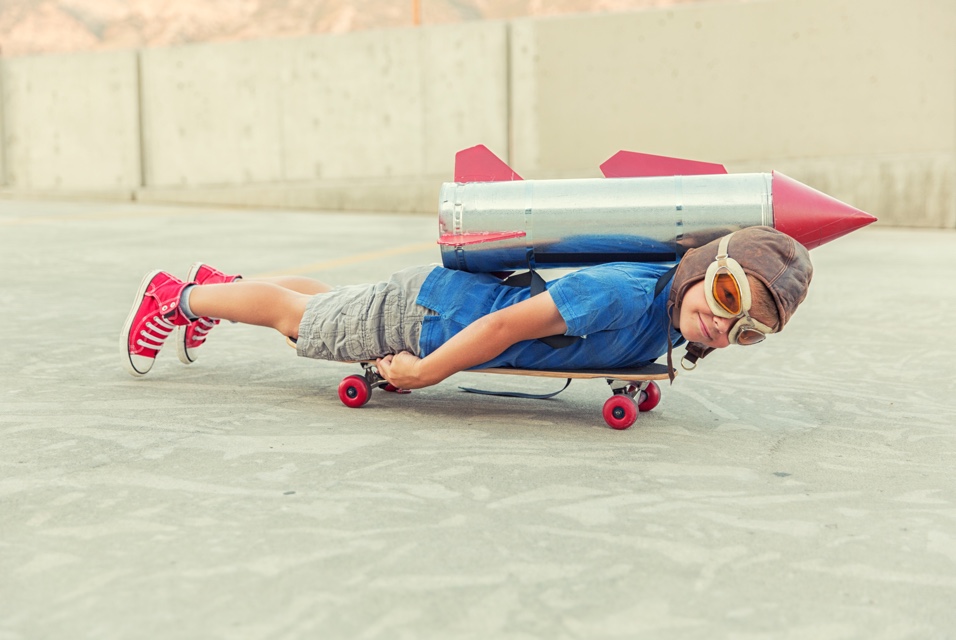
[810,217]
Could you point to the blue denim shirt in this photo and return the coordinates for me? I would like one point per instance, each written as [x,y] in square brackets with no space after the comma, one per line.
[612,306]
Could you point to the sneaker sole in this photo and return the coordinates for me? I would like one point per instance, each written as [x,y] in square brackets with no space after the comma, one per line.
[181,350]
[124,335]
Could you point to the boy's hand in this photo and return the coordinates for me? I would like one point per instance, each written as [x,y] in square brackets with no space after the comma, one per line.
[402,370]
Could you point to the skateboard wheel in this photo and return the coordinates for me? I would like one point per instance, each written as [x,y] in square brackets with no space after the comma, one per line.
[620,411]
[391,388]
[354,391]
[651,397]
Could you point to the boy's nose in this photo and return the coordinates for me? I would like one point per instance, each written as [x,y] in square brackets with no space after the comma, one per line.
[723,324]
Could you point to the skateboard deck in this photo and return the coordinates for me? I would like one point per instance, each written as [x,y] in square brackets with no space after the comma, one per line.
[632,390]
[649,372]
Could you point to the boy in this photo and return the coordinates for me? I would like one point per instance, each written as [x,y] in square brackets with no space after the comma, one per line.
[427,323]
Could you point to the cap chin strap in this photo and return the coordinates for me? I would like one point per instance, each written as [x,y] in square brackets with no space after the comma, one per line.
[662,282]
[695,351]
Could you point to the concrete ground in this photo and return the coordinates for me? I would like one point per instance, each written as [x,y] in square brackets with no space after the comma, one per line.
[801,489]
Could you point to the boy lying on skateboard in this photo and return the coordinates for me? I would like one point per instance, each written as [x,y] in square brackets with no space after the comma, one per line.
[427,323]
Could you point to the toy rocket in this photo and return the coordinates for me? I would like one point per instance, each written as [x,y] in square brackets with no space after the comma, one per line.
[651,209]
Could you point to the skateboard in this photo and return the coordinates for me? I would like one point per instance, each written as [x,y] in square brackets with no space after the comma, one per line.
[632,390]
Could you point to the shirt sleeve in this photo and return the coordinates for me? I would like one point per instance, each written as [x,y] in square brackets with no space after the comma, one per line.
[601,298]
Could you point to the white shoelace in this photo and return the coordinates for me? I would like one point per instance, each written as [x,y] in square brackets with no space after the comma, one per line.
[201,329]
[159,333]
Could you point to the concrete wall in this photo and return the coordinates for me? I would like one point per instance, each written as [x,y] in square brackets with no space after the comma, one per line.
[71,124]
[326,114]
[854,97]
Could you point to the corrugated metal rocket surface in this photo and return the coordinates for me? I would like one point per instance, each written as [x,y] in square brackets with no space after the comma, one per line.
[647,209]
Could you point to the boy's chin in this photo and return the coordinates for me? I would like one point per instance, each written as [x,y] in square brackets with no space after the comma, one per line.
[690,331]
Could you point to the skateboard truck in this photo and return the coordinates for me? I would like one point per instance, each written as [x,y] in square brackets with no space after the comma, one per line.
[355,390]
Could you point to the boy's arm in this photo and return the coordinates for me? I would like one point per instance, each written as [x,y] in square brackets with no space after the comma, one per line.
[477,343]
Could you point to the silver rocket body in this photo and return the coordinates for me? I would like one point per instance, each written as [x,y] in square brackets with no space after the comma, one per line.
[542,224]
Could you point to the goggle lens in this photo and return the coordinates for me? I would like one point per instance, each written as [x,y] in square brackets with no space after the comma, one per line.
[727,293]
[748,337]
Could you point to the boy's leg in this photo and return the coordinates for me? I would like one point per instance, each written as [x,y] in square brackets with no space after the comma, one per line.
[251,302]
[193,335]
[156,312]
[300,284]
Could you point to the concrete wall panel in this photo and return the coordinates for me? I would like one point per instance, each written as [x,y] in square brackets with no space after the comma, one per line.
[524,98]
[365,105]
[211,114]
[71,122]
[464,92]
[725,82]
[354,106]
[3,138]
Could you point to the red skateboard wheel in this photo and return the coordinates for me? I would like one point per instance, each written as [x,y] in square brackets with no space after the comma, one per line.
[354,391]
[620,411]
[651,397]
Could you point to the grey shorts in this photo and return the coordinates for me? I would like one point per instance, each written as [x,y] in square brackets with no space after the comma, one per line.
[365,321]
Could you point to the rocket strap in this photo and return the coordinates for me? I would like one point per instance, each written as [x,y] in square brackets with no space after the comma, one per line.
[662,281]
[535,282]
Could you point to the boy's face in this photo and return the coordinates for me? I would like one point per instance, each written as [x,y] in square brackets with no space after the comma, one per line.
[699,324]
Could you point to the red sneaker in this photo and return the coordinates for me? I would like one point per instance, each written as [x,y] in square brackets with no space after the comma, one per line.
[193,335]
[154,315]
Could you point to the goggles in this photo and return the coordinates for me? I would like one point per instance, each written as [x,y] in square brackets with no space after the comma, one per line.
[728,295]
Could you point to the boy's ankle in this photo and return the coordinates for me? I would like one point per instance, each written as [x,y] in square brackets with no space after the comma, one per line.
[184,302]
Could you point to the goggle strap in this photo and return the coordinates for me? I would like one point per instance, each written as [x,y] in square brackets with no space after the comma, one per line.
[722,247]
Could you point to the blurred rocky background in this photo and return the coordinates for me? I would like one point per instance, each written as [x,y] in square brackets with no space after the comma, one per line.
[40,26]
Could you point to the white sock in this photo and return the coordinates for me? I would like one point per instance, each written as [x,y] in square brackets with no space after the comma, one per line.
[184,303]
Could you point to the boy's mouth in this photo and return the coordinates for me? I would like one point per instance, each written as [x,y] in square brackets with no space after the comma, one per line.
[703,328]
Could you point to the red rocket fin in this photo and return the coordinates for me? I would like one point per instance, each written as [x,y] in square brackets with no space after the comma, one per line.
[452,240]
[479,164]
[628,164]
[810,217]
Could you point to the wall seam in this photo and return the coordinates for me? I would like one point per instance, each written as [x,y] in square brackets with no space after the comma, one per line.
[509,93]
[139,123]
[4,170]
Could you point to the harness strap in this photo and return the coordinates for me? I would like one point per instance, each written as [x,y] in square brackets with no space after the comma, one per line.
[666,277]
[535,282]
[662,281]
[516,394]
